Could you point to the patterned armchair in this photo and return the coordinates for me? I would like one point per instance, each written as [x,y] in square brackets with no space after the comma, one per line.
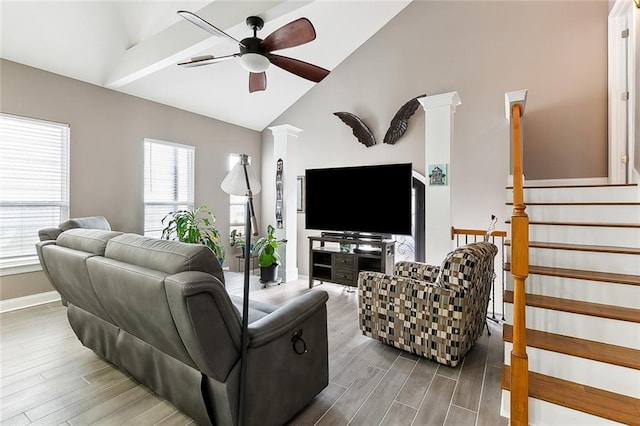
[434,312]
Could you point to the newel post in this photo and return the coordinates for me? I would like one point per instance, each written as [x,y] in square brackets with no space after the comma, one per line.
[519,373]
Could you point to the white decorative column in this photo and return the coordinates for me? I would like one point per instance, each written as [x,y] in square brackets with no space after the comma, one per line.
[284,147]
[439,112]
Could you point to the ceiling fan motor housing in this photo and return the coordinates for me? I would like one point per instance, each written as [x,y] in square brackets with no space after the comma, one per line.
[252,45]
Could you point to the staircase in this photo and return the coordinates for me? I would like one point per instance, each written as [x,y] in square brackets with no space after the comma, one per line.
[582,305]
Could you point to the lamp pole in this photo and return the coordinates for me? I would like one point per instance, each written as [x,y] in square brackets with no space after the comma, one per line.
[249,221]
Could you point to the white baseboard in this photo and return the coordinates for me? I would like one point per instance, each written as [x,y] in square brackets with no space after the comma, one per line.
[27,301]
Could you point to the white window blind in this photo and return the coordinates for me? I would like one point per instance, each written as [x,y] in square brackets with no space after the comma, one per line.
[168,182]
[237,204]
[34,182]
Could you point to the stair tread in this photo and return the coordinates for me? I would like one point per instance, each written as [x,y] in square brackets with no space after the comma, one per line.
[581,203]
[594,401]
[611,277]
[588,349]
[581,247]
[578,307]
[593,224]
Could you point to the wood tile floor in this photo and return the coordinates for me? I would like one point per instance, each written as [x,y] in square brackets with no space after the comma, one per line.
[48,378]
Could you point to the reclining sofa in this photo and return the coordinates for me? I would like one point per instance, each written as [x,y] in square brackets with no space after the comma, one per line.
[159,310]
[437,312]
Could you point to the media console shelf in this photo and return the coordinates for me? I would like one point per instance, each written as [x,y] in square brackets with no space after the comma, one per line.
[327,262]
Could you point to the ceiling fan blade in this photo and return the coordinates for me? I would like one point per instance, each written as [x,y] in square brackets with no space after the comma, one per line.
[257,81]
[206,60]
[295,33]
[198,21]
[299,68]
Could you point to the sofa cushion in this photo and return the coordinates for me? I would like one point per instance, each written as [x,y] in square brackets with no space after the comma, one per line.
[89,240]
[170,257]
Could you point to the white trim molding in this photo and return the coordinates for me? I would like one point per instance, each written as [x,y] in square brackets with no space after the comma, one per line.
[27,301]
[621,79]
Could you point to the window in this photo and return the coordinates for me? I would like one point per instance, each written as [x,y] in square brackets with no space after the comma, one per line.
[34,177]
[168,182]
[237,205]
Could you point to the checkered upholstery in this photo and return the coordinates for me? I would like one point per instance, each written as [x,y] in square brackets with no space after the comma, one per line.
[438,320]
[416,270]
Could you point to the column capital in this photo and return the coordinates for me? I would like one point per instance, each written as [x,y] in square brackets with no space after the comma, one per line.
[444,99]
[285,129]
[518,97]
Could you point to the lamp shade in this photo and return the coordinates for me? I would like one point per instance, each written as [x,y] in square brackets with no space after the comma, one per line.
[235,183]
[254,62]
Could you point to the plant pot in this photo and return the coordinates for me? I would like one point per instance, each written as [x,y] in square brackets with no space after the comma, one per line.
[268,273]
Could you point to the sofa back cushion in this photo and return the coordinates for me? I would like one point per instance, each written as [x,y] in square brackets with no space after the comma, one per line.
[135,298]
[170,257]
[65,265]
[92,241]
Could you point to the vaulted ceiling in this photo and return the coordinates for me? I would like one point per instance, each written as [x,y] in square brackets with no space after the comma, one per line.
[134,47]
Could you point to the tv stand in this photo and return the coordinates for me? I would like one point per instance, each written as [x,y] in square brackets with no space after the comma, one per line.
[356,236]
[330,261]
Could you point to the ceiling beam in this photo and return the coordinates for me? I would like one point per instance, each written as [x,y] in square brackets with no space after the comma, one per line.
[183,40]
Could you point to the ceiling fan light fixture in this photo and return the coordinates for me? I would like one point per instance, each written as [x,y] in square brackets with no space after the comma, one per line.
[254,62]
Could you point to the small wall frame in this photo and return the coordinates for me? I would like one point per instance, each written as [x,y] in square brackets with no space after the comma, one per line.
[437,175]
[300,194]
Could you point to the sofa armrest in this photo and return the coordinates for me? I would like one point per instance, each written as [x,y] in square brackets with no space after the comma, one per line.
[285,318]
[416,270]
[50,233]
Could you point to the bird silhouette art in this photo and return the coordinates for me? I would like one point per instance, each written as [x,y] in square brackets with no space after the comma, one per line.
[398,126]
[400,121]
[360,130]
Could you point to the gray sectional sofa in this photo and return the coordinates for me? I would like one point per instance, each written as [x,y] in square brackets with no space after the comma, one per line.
[160,311]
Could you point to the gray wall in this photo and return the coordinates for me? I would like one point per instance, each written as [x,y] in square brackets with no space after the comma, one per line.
[107,132]
[556,50]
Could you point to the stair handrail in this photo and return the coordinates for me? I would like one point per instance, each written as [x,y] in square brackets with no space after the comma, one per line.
[519,379]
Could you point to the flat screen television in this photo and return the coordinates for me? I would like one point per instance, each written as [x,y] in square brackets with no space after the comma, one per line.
[364,199]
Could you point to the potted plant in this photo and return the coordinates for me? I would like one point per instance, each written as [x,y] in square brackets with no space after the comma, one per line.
[237,240]
[194,226]
[268,257]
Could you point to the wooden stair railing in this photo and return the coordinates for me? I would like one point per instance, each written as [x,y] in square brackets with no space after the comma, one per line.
[519,374]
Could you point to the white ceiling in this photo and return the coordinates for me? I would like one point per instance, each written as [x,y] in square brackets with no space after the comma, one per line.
[134,47]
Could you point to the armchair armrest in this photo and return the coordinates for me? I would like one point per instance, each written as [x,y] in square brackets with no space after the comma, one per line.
[283,319]
[416,270]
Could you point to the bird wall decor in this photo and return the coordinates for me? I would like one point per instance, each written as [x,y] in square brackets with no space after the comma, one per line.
[398,126]
[360,130]
[400,121]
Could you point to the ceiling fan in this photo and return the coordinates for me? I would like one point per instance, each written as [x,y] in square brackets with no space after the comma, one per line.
[256,54]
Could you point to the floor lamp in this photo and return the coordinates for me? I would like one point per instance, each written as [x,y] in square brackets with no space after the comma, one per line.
[242,181]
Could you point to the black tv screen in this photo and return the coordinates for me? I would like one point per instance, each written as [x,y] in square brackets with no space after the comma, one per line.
[374,199]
